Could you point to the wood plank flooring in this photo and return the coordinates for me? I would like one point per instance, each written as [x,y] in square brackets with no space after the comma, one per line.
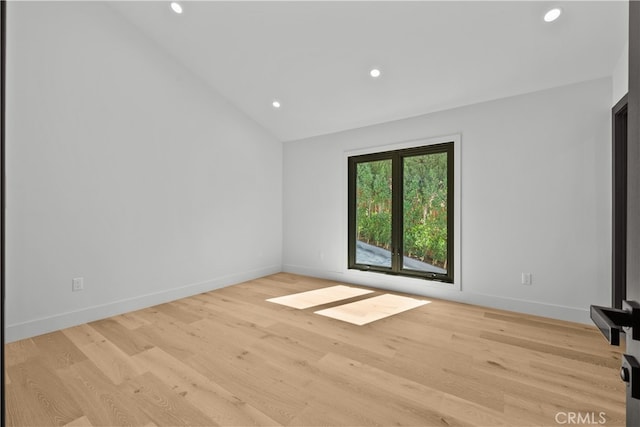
[230,358]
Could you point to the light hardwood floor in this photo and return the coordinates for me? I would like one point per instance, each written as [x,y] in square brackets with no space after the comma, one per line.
[228,357]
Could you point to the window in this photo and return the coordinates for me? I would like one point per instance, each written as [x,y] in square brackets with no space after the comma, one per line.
[401,212]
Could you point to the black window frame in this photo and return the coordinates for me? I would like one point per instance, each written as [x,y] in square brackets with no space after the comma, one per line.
[397,231]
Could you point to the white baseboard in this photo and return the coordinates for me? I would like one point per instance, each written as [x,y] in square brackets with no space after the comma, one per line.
[31,328]
[571,314]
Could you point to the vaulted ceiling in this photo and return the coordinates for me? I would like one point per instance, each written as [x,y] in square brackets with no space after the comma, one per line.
[315,57]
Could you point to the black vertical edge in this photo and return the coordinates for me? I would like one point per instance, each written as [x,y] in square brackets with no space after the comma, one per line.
[633,190]
[351,209]
[451,231]
[619,203]
[633,155]
[3,79]
[397,212]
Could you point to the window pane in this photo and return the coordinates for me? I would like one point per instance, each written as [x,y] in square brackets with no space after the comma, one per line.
[425,213]
[373,213]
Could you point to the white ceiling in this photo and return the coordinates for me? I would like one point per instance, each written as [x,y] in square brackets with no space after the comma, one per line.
[315,56]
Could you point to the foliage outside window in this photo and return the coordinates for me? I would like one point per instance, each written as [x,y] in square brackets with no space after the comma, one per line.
[401,212]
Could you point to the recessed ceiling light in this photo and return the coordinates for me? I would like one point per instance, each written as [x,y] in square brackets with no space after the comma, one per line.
[175,6]
[552,14]
[276,103]
[375,73]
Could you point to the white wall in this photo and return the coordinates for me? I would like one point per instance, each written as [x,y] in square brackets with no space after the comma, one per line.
[124,169]
[535,198]
[621,75]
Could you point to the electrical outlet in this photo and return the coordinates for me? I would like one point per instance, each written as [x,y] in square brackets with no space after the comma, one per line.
[77,284]
[527,279]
